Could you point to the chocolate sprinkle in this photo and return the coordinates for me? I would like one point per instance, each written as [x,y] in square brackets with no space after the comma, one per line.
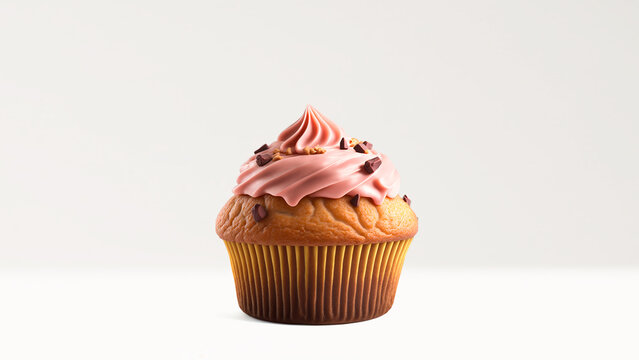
[263,159]
[405,198]
[367,144]
[343,145]
[355,200]
[360,148]
[262,148]
[259,212]
[371,165]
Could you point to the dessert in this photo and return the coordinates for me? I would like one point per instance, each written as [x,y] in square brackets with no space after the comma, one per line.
[316,231]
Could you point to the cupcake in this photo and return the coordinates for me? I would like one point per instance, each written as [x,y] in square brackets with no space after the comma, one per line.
[316,231]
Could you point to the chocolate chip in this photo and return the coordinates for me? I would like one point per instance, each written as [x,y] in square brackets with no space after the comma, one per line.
[368,145]
[263,159]
[343,145]
[259,212]
[262,148]
[371,165]
[355,200]
[360,148]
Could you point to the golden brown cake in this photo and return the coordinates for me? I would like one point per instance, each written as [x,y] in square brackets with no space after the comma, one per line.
[316,232]
[316,221]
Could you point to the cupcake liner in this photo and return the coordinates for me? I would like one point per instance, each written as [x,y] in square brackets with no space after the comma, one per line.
[316,284]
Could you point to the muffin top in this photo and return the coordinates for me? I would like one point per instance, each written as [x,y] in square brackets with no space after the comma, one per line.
[314,158]
[316,186]
[315,221]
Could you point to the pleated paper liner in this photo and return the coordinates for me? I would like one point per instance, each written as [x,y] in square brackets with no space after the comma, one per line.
[316,284]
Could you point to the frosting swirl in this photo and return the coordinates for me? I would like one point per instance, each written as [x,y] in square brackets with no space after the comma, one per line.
[331,174]
[312,129]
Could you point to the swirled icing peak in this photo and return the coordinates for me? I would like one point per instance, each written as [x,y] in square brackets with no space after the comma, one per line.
[310,130]
[313,158]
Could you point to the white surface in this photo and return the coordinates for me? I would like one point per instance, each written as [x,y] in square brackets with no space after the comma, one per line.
[512,123]
[461,314]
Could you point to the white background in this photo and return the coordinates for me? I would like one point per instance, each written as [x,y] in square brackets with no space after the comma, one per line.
[514,126]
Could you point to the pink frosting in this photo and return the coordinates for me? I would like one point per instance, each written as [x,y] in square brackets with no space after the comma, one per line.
[332,174]
[312,129]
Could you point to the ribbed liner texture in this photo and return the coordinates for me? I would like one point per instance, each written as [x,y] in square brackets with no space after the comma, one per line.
[316,284]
